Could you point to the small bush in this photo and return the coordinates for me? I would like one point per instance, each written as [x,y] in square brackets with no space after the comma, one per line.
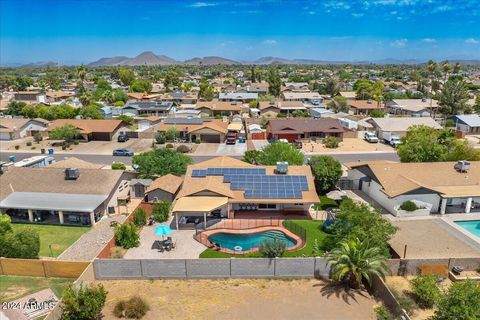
[134,308]
[76,142]
[33,148]
[126,236]
[382,313]
[169,146]
[37,137]
[118,166]
[140,217]
[161,211]
[408,206]
[17,147]
[449,123]
[160,138]
[183,148]
[117,252]
[272,248]
[85,303]
[425,290]
[218,116]
[198,141]
[29,143]
[331,142]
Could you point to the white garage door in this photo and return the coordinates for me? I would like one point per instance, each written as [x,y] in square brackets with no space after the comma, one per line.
[4,136]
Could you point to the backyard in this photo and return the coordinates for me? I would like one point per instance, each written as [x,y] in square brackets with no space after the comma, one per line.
[313,231]
[54,239]
[15,287]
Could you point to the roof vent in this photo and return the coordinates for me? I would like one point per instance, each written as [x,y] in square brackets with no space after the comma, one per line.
[72,173]
[462,166]
[369,101]
[424,99]
[282,168]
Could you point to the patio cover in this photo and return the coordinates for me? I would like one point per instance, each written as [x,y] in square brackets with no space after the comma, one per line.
[199,204]
[235,126]
[53,201]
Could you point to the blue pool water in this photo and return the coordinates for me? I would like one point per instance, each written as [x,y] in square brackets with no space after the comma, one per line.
[472,226]
[244,242]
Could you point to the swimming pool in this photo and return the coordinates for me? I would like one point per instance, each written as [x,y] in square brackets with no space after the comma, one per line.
[472,226]
[247,241]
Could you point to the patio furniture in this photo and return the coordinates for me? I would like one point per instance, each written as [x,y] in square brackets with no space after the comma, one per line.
[162,230]
[156,245]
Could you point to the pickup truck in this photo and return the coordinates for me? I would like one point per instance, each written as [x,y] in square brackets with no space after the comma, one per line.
[370,137]
[391,139]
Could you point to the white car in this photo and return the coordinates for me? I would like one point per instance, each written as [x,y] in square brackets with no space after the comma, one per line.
[370,137]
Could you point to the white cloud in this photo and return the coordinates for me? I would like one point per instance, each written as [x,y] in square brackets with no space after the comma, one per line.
[358,15]
[270,42]
[203,4]
[429,40]
[312,13]
[471,41]
[400,43]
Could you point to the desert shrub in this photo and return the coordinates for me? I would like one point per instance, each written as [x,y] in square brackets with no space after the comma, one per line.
[118,166]
[133,308]
[183,148]
[161,210]
[408,206]
[169,146]
[425,290]
[117,252]
[139,217]
[160,138]
[17,147]
[382,313]
[461,301]
[331,142]
[272,248]
[198,141]
[126,236]
[37,137]
[85,303]
[33,148]
[218,116]
[75,142]
[29,143]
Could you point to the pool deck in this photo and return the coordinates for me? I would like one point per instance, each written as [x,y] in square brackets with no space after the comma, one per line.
[203,237]
[464,234]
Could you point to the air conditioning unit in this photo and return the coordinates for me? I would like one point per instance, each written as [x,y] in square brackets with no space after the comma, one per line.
[282,168]
[72,173]
[462,166]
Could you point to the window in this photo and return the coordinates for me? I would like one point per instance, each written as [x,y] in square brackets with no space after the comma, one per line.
[267,206]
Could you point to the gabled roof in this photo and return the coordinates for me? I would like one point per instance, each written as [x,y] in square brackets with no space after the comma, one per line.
[328,125]
[169,183]
[73,162]
[472,120]
[219,105]
[87,126]
[364,104]
[395,124]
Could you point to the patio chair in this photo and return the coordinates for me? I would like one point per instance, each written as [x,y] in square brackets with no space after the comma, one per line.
[156,245]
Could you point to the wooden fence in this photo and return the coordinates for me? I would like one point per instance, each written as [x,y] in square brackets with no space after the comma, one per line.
[42,268]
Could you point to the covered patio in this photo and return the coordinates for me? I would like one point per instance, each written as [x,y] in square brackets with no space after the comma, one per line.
[189,211]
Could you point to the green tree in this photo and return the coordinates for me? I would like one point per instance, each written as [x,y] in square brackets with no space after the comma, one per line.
[160,162]
[206,91]
[363,88]
[425,290]
[274,82]
[14,108]
[461,150]
[251,156]
[91,112]
[23,244]
[141,85]
[161,210]
[37,137]
[5,224]
[126,76]
[85,303]
[171,134]
[339,104]
[126,119]
[331,87]
[126,236]
[461,302]
[22,82]
[29,111]
[327,171]
[172,80]
[354,260]
[140,217]
[421,144]
[119,95]
[67,132]
[280,151]
[477,103]
[376,113]
[453,97]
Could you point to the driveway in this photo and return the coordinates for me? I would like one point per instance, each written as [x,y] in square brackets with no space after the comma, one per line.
[185,246]
[232,149]
[260,144]
[348,145]
[106,147]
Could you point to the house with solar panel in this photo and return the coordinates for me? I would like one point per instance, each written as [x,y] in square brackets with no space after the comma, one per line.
[225,187]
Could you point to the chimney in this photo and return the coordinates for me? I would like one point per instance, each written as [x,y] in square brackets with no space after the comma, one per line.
[72,173]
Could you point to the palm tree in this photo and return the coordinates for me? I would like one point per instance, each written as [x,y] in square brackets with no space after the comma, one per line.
[81,73]
[354,261]
[446,69]
[456,68]
[431,67]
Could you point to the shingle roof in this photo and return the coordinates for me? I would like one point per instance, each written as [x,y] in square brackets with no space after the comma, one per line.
[87,126]
[73,162]
[395,124]
[472,120]
[169,183]
[219,105]
[328,125]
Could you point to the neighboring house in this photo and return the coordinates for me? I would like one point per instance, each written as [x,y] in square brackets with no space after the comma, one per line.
[238,96]
[256,132]
[187,113]
[181,97]
[138,187]
[295,86]
[72,162]
[29,96]
[399,126]
[271,109]
[106,111]
[16,128]
[225,187]
[221,108]
[293,129]
[258,87]
[363,107]
[348,94]
[56,96]
[148,122]
[412,107]
[164,188]
[101,130]
[468,123]
[148,108]
[143,96]
[60,196]
[435,187]
[191,129]
[306,97]
[317,113]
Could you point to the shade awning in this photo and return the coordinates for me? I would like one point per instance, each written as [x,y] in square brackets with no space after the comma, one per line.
[199,204]
[235,126]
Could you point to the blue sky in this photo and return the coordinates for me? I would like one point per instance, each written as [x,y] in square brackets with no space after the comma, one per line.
[80,31]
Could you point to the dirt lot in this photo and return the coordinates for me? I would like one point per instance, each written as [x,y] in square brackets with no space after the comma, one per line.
[348,144]
[242,299]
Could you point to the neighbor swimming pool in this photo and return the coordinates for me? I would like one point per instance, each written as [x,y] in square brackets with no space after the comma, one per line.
[472,226]
[247,241]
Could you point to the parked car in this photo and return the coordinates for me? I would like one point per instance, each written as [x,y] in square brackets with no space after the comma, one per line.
[122,137]
[391,139]
[231,138]
[370,137]
[122,152]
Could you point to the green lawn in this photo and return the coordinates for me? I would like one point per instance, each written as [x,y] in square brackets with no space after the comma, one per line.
[59,237]
[14,287]
[312,228]
[325,203]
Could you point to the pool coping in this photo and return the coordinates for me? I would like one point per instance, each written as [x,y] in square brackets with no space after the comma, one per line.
[299,242]
[463,234]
